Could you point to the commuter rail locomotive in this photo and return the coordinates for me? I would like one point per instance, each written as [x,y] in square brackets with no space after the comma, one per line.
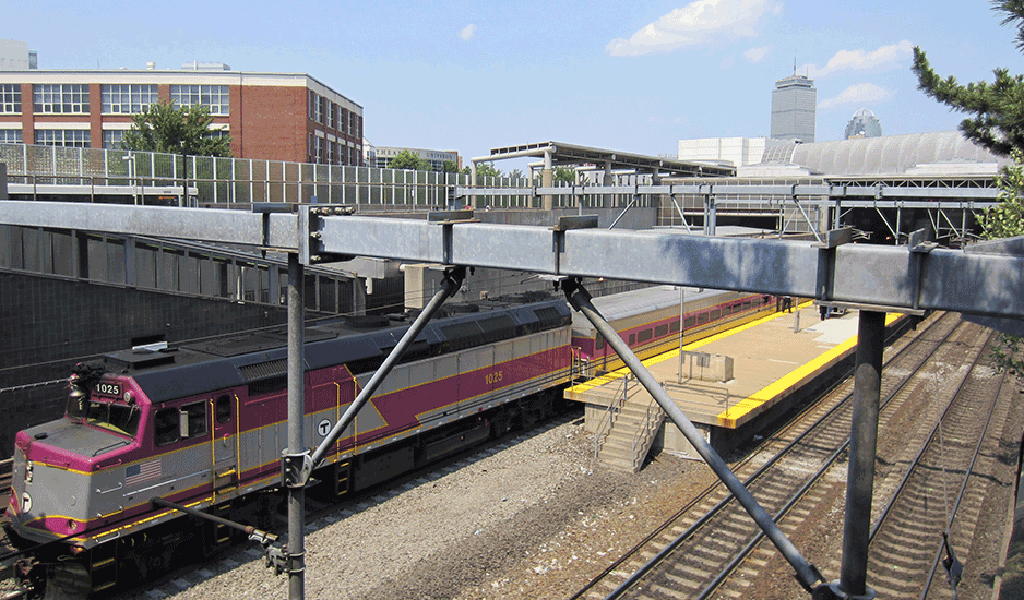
[203,424]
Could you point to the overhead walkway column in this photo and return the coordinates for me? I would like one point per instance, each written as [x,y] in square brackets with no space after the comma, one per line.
[547,178]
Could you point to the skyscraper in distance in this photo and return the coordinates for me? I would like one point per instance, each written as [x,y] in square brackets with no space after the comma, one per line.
[794,101]
[863,124]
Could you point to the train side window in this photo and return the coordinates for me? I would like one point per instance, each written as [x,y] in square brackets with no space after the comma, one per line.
[702,318]
[673,327]
[645,335]
[196,418]
[746,304]
[632,339]
[690,321]
[716,315]
[223,408]
[599,342]
[165,426]
[726,309]
[661,330]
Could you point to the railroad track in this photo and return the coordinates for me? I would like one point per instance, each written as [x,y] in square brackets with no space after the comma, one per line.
[711,548]
[908,532]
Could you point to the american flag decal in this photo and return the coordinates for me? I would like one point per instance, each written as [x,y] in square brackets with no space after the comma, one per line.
[141,472]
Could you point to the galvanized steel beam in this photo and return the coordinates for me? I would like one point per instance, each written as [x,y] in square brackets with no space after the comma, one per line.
[967,282]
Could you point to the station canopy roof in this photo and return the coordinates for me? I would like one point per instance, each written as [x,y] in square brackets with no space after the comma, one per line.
[570,154]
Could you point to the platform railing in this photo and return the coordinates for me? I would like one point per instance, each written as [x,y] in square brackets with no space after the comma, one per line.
[653,418]
[613,408]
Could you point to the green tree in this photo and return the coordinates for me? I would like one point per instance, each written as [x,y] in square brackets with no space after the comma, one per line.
[997,107]
[1006,219]
[564,174]
[407,160]
[487,170]
[449,166]
[997,124]
[164,127]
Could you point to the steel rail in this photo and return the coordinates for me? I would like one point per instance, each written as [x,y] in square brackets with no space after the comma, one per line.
[807,574]
[782,453]
[917,459]
[828,464]
[963,489]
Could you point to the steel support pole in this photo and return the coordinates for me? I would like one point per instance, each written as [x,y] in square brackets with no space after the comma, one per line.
[863,444]
[295,566]
[806,573]
[449,285]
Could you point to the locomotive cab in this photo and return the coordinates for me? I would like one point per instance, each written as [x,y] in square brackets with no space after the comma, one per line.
[63,481]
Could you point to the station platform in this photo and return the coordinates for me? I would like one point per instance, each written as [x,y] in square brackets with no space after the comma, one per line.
[730,384]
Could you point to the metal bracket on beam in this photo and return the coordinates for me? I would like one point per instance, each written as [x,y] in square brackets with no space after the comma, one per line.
[447,220]
[837,237]
[564,224]
[920,247]
[268,208]
[870,307]
[311,247]
[451,217]
[296,469]
[827,259]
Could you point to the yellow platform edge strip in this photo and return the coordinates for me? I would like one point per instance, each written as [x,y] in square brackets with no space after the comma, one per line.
[730,417]
[581,388]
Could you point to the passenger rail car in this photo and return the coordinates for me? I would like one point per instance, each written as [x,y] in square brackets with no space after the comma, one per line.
[649,321]
[204,424]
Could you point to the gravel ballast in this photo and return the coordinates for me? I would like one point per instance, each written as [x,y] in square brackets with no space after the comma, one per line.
[529,517]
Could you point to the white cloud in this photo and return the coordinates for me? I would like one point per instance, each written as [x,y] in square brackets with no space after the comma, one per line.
[885,58]
[756,55]
[857,94]
[698,23]
[467,32]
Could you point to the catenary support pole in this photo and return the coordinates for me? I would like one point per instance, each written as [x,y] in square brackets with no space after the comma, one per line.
[806,573]
[863,445]
[449,285]
[295,566]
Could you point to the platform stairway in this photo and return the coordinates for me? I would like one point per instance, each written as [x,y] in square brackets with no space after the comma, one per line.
[631,430]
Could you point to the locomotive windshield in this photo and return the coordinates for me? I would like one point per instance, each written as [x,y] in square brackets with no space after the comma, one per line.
[100,413]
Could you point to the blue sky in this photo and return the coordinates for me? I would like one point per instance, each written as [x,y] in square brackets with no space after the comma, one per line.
[630,76]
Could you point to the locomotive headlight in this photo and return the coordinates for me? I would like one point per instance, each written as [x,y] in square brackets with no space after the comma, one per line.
[26,503]
[28,471]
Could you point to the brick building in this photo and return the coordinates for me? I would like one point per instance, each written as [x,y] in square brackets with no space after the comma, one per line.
[279,116]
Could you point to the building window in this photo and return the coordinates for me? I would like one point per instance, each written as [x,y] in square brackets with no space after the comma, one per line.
[61,98]
[311,105]
[214,97]
[10,98]
[332,115]
[127,98]
[11,136]
[112,139]
[318,149]
[78,138]
[318,108]
[330,152]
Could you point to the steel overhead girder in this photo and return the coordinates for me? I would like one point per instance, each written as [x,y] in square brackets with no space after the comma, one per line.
[207,225]
[895,277]
[984,283]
